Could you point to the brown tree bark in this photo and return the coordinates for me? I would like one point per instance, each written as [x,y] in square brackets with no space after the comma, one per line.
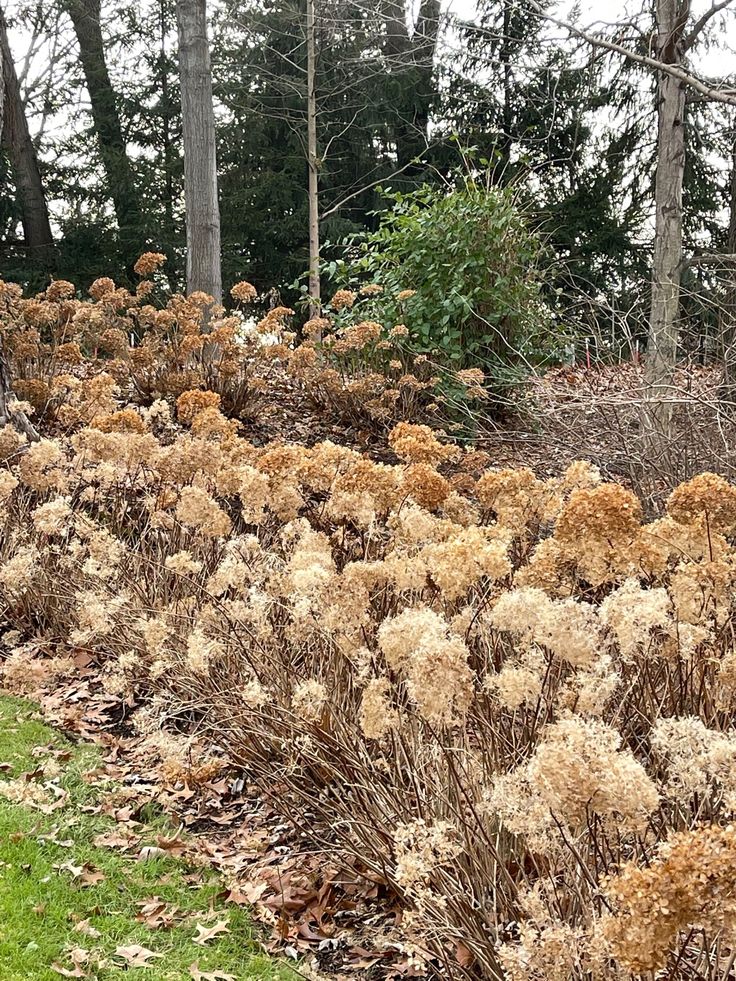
[313,163]
[200,160]
[85,15]
[672,17]
[7,397]
[16,138]
[727,392]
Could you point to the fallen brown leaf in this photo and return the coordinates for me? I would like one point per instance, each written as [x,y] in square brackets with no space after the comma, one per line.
[209,975]
[114,839]
[78,957]
[67,972]
[209,933]
[91,877]
[464,955]
[173,846]
[156,915]
[85,927]
[136,956]
[248,894]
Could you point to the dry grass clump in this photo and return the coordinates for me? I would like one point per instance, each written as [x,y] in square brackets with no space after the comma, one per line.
[509,698]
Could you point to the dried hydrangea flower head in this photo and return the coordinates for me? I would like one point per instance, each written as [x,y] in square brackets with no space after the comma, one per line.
[691,883]
[707,499]
[148,263]
[419,444]
[568,628]
[343,300]
[60,289]
[603,513]
[244,292]
[421,848]
[101,286]
[634,613]
[434,662]
[579,767]
[191,403]
[514,495]
[122,421]
[198,510]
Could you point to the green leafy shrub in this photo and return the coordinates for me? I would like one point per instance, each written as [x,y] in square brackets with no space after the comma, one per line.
[464,272]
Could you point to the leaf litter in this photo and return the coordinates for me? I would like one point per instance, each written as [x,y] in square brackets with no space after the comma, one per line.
[335,919]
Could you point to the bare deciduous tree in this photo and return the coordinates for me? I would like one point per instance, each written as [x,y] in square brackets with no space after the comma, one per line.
[672,17]
[677,34]
[312,162]
[17,140]
[10,414]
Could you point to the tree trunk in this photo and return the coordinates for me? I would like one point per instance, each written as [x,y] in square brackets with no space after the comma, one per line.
[667,260]
[424,48]
[727,393]
[313,163]
[37,235]
[19,420]
[200,162]
[167,143]
[85,15]
[507,111]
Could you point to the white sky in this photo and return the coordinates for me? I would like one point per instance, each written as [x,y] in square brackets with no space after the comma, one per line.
[716,59]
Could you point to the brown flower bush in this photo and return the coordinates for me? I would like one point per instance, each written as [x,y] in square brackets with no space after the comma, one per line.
[513,759]
[353,367]
[58,345]
[508,698]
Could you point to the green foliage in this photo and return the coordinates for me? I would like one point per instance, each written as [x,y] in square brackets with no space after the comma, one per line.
[477,271]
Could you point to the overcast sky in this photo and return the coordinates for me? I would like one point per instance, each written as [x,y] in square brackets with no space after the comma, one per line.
[715,60]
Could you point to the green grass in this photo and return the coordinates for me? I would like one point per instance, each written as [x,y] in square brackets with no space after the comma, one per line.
[40,904]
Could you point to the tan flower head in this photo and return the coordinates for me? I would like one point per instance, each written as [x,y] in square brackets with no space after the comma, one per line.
[148,263]
[706,498]
[343,300]
[244,292]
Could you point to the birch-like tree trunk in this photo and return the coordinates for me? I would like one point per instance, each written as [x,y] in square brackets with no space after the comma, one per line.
[672,16]
[17,140]
[200,160]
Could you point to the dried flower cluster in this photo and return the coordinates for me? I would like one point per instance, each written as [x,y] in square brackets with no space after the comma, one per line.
[355,367]
[510,696]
